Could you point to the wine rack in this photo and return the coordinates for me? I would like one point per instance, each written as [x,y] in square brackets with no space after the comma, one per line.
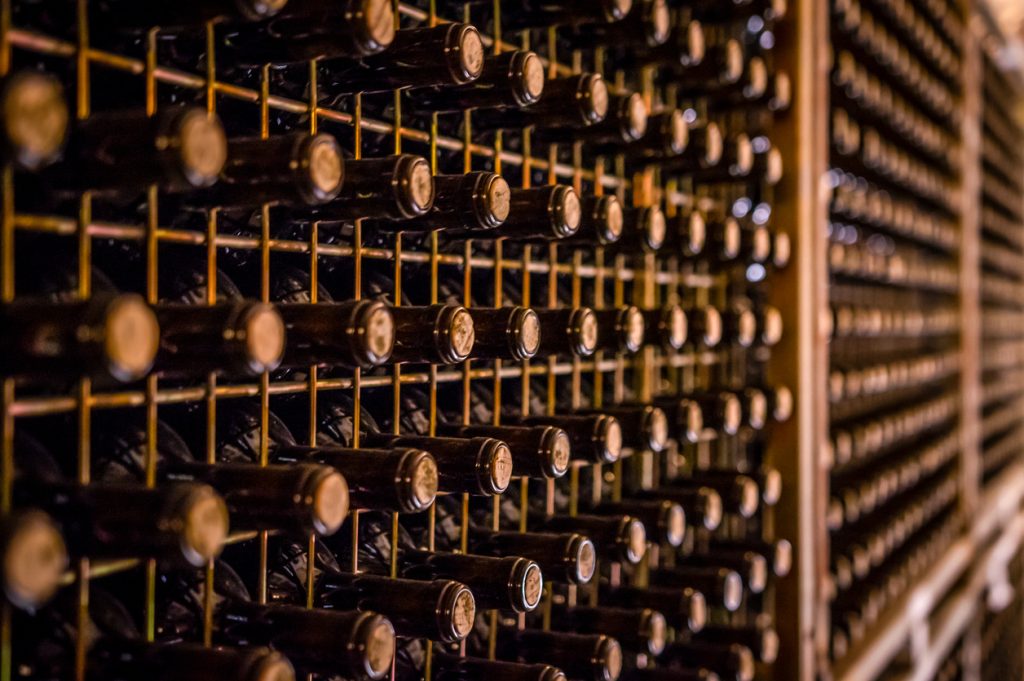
[143,244]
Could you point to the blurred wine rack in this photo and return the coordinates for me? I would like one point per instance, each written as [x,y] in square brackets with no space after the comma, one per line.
[101,71]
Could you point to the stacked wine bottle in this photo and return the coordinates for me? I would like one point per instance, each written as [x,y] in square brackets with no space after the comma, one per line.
[418,341]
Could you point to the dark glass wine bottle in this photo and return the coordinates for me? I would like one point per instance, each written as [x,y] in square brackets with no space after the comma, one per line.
[109,336]
[728,661]
[538,13]
[180,149]
[402,479]
[616,537]
[563,557]
[705,325]
[446,55]
[739,493]
[703,150]
[35,121]
[760,637]
[471,204]
[567,331]
[570,102]
[441,609]
[638,630]
[648,23]
[237,338]
[721,586]
[750,566]
[440,334]
[683,607]
[667,135]
[293,169]
[549,212]
[583,656]
[703,505]
[355,333]
[778,554]
[397,187]
[685,417]
[307,30]
[178,524]
[643,426]
[512,582]
[668,325]
[539,452]
[448,667]
[620,329]
[594,437]
[301,499]
[513,80]
[189,13]
[645,230]
[665,521]
[601,221]
[357,644]
[625,122]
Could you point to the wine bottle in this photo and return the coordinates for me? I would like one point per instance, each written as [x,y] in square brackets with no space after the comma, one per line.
[511,582]
[705,326]
[643,426]
[620,329]
[778,554]
[563,557]
[683,607]
[672,673]
[640,630]
[446,55]
[736,162]
[34,558]
[448,667]
[301,499]
[685,417]
[728,661]
[721,410]
[538,13]
[567,331]
[721,586]
[441,609]
[513,80]
[703,505]
[582,656]
[511,333]
[724,240]
[625,122]
[439,334]
[179,149]
[178,524]
[648,23]
[355,333]
[109,336]
[684,48]
[539,452]
[35,121]
[478,465]
[297,168]
[471,204]
[667,135]
[739,493]
[754,406]
[668,325]
[616,537]
[570,102]
[358,644]
[703,150]
[645,230]
[760,637]
[549,212]
[664,520]
[601,221]
[237,338]
[397,187]
[750,566]
[596,438]
[721,66]
[401,479]
[307,30]
[190,13]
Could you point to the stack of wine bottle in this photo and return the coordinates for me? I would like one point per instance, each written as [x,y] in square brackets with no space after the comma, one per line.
[1002,244]
[420,341]
[895,158]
